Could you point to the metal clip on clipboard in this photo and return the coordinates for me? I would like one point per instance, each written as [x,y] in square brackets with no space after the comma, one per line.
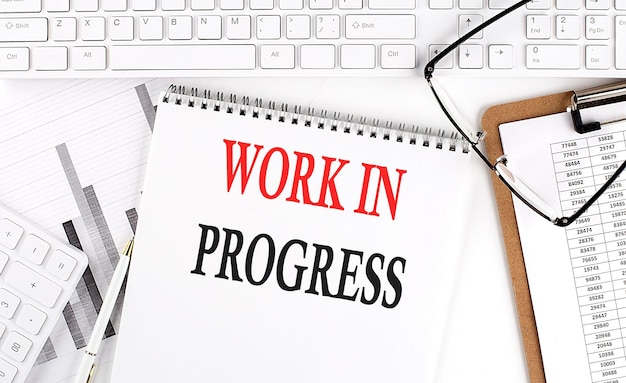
[597,96]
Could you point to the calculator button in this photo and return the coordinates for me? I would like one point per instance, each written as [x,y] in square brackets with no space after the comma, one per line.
[61,265]
[7,371]
[35,249]
[10,233]
[8,303]
[16,346]
[33,284]
[31,319]
[4,258]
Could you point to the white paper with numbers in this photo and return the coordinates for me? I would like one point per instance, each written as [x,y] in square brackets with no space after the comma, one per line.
[180,326]
[577,274]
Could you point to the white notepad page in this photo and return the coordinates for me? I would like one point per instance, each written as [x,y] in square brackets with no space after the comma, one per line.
[277,324]
[577,274]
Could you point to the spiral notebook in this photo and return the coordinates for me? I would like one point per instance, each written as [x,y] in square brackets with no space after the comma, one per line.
[281,246]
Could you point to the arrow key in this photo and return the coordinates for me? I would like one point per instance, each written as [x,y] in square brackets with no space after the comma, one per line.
[470,56]
[469,22]
[447,62]
[500,56]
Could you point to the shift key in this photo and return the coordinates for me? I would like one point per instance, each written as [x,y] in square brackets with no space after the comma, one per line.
[23,29]
[33,284]
[380,26]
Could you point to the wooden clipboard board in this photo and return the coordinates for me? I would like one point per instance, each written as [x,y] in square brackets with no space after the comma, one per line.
[491,120]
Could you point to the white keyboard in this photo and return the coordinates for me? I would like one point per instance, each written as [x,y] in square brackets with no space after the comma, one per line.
[38,274]
[124,38]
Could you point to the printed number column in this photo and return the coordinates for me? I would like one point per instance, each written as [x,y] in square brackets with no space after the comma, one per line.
[588,253]
[607,154]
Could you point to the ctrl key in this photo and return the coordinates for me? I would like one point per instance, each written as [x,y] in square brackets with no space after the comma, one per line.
[14,59]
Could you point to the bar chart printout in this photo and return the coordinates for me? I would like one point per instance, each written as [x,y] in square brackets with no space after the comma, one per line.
[72,158]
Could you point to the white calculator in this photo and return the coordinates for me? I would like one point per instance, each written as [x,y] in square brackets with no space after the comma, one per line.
[38,275]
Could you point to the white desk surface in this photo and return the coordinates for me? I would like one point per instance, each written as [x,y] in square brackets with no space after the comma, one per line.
[483,343]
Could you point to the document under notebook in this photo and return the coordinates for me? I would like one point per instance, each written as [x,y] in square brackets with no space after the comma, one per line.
[283,247]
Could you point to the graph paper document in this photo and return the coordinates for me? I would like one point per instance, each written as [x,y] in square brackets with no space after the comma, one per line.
[72,158]
[577,274]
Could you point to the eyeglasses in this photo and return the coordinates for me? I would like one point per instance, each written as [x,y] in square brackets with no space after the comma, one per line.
[513,183]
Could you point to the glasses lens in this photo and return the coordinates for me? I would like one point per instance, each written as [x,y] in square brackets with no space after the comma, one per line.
[519,188]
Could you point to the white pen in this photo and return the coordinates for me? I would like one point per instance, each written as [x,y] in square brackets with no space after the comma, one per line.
[87,364]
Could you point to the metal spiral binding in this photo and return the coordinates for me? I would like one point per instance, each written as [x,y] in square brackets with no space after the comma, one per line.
[412,135]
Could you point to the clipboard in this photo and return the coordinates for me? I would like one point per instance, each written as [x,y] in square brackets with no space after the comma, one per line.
[573,102]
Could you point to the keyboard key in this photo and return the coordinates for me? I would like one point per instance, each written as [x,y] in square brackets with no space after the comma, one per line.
[291,4]
[440,4]
[538,26]
[358,56]
[209,27]
[4,258]
[327,26]
[350,4]
[23,29]
[151,28]
[179,28]
[202,5]
[35,248]
[89,58]
[597,27]
[598,4]
[471,56]
[10,232]
[92,29]
[568,4]
[86,5]
[173,5]
[144,5]
[597,57]
[63,29]
[278,56]
[16,346]
[58,5]
[7,371]
[13,59]
[321,4]
[397,56]
[434,50]
[567,27]
[33,284]
[3,327]
[61,265]
[8,303]
[500,56]
[392,4]
[147,57]
[261,4]
[620,42]
[231,4]
[298,27]
[31,319]
[469,22]
[268,27]
[238,27]
[470,4]
[380,26]
[317,56]
[114,5]
[552,56]
[539,4]
[121,28]
[50,58]
[20,6]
